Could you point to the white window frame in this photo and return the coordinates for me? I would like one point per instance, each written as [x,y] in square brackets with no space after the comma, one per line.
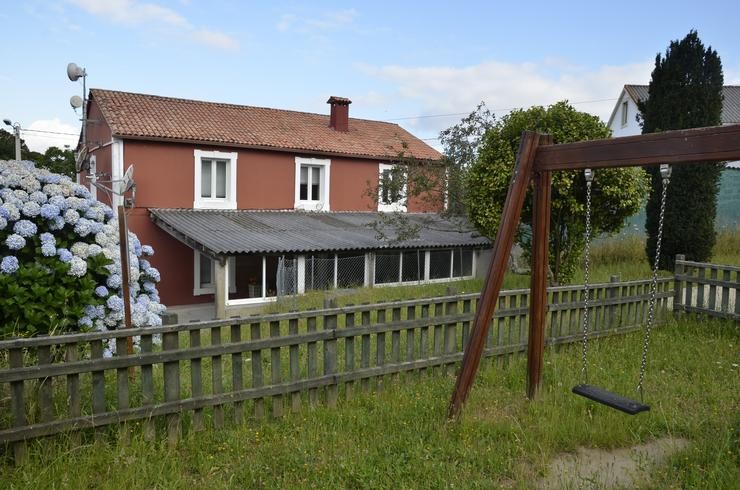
[307,204]
[625,109]
[210,288]
[263,298]
[229,202]
[394,207]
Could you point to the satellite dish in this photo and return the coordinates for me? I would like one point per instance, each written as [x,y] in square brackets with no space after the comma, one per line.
[75,101]
[127,182]
[74,72]
[81,162]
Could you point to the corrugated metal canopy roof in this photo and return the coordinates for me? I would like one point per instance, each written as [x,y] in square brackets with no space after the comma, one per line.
[730,104]
[226,232]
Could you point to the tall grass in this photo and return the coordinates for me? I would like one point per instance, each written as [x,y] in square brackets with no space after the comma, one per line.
[400,438]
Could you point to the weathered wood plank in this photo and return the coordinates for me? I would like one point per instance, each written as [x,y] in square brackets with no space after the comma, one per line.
[98,383]
[349,353]
[257,380]
[365,349]
[313,371]
[275,373]
[196,381]
[424,335]
[438,341]
[18,405]
[74,409]
[725,305]
[45,397]
[295,368]
[147,387]
[330,358]
[380,347]
[237,372]
[122,388]
[217,380]
[450,333]
[172,388]
[396,338]
[410,334]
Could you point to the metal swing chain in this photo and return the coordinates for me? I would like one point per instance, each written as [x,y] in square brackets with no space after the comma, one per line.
[665,172]
[586,273]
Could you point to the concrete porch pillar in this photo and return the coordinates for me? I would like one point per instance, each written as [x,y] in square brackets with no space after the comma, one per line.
[222,287]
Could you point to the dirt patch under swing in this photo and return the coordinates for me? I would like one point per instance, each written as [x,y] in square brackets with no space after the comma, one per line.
[617,468]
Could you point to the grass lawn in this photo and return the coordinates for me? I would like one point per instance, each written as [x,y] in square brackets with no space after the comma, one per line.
[400,438]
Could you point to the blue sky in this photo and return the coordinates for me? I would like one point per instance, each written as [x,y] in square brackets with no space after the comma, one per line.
[395,60]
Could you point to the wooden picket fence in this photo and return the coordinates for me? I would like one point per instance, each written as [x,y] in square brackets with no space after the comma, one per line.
[195,375]
[709,289]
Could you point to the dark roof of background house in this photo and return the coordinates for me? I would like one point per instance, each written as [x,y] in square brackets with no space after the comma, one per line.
[226,232]
[153,117]
[730,104]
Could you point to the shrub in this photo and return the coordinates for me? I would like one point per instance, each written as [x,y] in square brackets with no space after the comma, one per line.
[60,266]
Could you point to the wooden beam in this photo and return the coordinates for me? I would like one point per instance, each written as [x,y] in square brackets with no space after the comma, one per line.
[538,285]
[501,250]
[718,143]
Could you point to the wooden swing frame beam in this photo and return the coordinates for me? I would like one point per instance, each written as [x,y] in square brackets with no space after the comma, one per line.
[536,160]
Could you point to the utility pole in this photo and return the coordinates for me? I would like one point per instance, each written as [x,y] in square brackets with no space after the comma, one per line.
[17,132]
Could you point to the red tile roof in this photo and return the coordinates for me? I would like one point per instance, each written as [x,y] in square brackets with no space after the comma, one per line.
[153,117]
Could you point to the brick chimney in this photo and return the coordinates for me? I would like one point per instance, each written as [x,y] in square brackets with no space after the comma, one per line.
[339,117]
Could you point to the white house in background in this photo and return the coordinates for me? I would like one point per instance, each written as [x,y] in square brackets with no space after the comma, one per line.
[623,120]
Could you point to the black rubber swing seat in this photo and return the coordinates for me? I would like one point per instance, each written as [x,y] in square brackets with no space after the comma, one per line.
[610,399]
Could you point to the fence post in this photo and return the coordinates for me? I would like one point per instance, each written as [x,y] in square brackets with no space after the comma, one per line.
[19,405]
[612,294]
[330,352]
[172,387]
[677,283]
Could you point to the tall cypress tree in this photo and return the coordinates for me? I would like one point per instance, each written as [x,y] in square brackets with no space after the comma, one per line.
[685,92]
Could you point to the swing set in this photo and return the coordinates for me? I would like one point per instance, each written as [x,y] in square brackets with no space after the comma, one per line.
[536,160]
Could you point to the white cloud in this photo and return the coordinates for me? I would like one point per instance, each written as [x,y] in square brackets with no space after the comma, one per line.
[338,19]
[215,39]
[135,13]
[504,86]
[41,134]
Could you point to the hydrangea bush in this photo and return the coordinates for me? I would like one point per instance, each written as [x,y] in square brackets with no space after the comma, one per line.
[60,262]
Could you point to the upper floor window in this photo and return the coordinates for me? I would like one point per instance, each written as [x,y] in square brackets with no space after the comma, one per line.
[391,188]
[625,108]
[215,180]
[312,184]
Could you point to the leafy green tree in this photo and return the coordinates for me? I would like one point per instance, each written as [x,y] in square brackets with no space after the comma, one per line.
[685,91]
[7,148]
[58,160]
[616,193]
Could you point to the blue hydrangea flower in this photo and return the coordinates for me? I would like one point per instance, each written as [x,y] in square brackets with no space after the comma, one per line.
[101,291]
[115,303]
[48,249]
[149,287]
[64,255]
[147,250]
[82,227]
[81,191]
[71,216]
[77,267]
[144,264]
[153,273]
[38,197]
[3,223]
[59,202]
[13,213]
[85,322]
[114,281]
[57,223]
[15,242]
[47,237]
[25,228]
[4,213]
[49,211]
[9,264]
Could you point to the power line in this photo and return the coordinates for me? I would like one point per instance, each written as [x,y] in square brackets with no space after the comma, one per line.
[49,132]
[451,114]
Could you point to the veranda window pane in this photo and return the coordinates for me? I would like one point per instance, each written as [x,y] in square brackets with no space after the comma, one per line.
[387,267]
[315,183]
[439,264]
[413,266]
[206,268]
[350,270]
[304,184]
[221,179]
[205,178]
[467,262]
[320,271]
